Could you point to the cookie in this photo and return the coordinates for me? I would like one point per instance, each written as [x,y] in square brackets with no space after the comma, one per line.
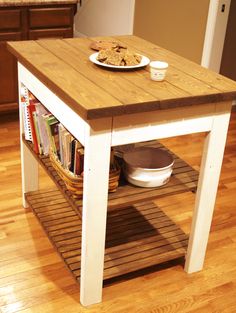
[118,58]
[102,45]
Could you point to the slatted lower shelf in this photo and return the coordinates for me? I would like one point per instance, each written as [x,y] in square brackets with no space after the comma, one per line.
[184,179]
[138,236]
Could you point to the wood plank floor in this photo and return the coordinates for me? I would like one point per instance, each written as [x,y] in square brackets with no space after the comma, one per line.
[34,279]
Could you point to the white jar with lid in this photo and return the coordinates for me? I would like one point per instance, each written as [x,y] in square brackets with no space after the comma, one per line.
[158,70]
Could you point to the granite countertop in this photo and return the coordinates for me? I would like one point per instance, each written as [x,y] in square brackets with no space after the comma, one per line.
[11,3]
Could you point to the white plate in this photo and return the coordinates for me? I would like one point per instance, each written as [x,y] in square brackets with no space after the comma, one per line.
[144,61]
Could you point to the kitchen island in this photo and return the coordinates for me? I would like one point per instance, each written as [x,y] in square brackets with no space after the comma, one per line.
[104,108]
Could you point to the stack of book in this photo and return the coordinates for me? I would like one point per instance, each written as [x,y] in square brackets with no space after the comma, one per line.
[48,135]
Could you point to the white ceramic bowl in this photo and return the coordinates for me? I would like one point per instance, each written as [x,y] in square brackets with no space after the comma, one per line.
[148,166]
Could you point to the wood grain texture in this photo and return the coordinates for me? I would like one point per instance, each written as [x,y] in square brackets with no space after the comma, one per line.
[95,92]
[128,228]
[184,178]
[33,278]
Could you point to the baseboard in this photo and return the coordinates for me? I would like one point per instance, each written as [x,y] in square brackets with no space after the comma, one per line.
[9,116]
[78,34]
[233,107]
[9,108]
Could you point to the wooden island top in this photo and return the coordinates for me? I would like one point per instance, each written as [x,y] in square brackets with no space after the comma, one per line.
[95,92]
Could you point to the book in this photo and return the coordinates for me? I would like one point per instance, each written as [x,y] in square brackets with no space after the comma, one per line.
[67,149]
[79,160]
[36,126]
[62,130]
[72,152]
[24,99]
[31,109]
[51,124]
[44,139]
[47,133]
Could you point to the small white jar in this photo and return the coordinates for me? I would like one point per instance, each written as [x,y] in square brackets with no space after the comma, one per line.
[158,70]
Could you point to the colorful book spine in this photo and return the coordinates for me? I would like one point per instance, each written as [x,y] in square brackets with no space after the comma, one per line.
[78,158]
[42,128]
[72,151]
[46,133]
[24,97]
[36,126]
[67,149]
[53,134]
[31,109]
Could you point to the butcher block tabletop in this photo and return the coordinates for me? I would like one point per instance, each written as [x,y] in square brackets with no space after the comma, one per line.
[94,91]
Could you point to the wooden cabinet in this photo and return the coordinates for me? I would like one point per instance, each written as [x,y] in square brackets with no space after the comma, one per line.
[10,19]
[11,28]
[28,23]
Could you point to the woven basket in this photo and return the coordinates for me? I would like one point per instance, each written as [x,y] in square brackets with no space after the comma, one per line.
[74,183]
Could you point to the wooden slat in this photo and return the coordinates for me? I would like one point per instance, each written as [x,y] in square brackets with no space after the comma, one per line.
[78,91]
[74,52]
[184,178]
[47,166]
[137,237]
[94,92]
[185,66]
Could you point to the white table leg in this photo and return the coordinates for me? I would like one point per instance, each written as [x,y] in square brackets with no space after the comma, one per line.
[95,194]
[29,172]
[207,188]
[29,165]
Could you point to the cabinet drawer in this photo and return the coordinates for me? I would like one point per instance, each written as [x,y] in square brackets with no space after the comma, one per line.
[50,33]
[10,19]
[50,17]
[8,74]
[10,36]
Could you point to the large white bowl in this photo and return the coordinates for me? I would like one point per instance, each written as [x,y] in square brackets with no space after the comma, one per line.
[148,166]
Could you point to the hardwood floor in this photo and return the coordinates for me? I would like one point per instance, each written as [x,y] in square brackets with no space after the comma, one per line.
[34,279]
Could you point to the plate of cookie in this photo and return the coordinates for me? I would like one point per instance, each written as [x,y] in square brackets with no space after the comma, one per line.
[121,59]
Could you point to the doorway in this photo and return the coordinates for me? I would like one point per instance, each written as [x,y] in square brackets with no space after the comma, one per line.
[228,61]
[215,34]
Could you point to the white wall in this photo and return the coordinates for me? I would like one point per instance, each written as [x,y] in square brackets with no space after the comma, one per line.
[104,18]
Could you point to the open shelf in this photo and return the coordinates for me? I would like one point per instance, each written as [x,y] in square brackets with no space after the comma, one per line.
[138,235]
[184,178]
[133,221]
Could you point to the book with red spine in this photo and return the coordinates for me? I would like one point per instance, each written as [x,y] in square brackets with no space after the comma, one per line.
[31,108]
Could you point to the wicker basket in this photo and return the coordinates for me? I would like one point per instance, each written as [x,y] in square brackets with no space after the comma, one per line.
[74,183]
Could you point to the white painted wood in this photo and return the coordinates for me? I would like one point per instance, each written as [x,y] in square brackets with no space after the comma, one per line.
[210,30]
[95,195]
[72,121]
[29,172]
[29,165]
[207,188]
[219,36]
[161,124]
[130,18]
[215,34]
